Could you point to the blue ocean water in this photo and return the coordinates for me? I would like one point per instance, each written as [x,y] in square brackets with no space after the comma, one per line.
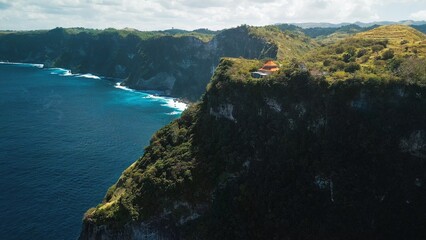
[64,139]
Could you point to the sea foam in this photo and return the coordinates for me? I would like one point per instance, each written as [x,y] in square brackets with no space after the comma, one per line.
[170,102]
[88,75]
[173,103]
[61,71]
[37,65]
[117,85]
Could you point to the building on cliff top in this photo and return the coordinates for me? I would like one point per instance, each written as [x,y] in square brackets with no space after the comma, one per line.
[268,68]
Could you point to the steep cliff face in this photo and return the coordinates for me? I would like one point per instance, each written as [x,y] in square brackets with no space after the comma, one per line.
[284,157]
[179,65]
[183,66]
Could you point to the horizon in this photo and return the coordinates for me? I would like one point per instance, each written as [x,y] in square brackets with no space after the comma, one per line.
[304,25]
[191,14]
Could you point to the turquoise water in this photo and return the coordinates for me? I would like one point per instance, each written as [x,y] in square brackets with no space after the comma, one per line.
[64,139]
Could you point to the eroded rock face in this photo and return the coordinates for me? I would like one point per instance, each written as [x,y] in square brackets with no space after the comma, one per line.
[415,144]
[273,104]
[223,111]
[161,81]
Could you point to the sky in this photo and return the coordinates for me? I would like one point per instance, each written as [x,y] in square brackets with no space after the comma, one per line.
[193,14]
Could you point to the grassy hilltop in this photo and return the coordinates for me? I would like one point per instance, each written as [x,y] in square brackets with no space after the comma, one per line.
[382,53]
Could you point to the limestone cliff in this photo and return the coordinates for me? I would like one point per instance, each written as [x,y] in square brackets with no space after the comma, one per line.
[284,157]
[180,65]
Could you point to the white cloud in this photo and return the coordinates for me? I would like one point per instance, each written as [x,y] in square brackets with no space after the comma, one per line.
[189,14]
[420,15]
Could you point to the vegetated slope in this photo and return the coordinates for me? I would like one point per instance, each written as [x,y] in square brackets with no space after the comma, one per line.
[284,157]
[375,54]
[177,62]
[393,33]
[291,43]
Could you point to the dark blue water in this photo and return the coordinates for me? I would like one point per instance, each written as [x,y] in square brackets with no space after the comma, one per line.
[63,141]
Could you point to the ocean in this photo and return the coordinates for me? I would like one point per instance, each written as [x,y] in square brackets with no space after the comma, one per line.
[64,140]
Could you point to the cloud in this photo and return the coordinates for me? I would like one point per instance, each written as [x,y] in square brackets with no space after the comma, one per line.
[190,14]
[420,15]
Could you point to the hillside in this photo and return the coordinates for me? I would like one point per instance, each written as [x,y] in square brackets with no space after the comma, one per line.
[178,62]
[374,54]
[291,44]
[393,33]
[329,35]
[289,156]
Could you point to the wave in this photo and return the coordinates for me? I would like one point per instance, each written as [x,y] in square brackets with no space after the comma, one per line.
[117,85]
[173,103]
[61,71]
[169,102]
[66,73]
[37,65]
[174,113]
[150,96]
[88,75]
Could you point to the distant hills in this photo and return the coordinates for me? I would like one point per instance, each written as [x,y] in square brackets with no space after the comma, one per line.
[360,24]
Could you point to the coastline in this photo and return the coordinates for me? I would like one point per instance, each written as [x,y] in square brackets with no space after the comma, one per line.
[171,101]
[156,93]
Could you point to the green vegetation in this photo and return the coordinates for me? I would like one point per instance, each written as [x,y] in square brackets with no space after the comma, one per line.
[413,70]
[291,44]
[374,54]
[289,156]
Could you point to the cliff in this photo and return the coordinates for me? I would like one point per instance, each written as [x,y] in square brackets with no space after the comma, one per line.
[180,64]
[288,156]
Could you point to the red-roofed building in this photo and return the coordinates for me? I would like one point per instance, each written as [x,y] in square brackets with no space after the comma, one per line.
[268,68]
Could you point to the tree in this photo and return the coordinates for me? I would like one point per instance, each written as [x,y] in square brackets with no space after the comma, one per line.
[339,50]
[377,48]
[388,54]
[346,57]
[352,67]
[361,52]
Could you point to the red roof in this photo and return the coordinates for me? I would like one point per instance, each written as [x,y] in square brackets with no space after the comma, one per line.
[270,63]
[269,66]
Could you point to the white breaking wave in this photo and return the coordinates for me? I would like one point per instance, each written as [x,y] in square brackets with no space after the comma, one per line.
[153,97]
[173,103]
[117,85]
[174,113]
[66,73]
[166,101]
[88,75]
[61,71]
[37,65]
[169,102]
